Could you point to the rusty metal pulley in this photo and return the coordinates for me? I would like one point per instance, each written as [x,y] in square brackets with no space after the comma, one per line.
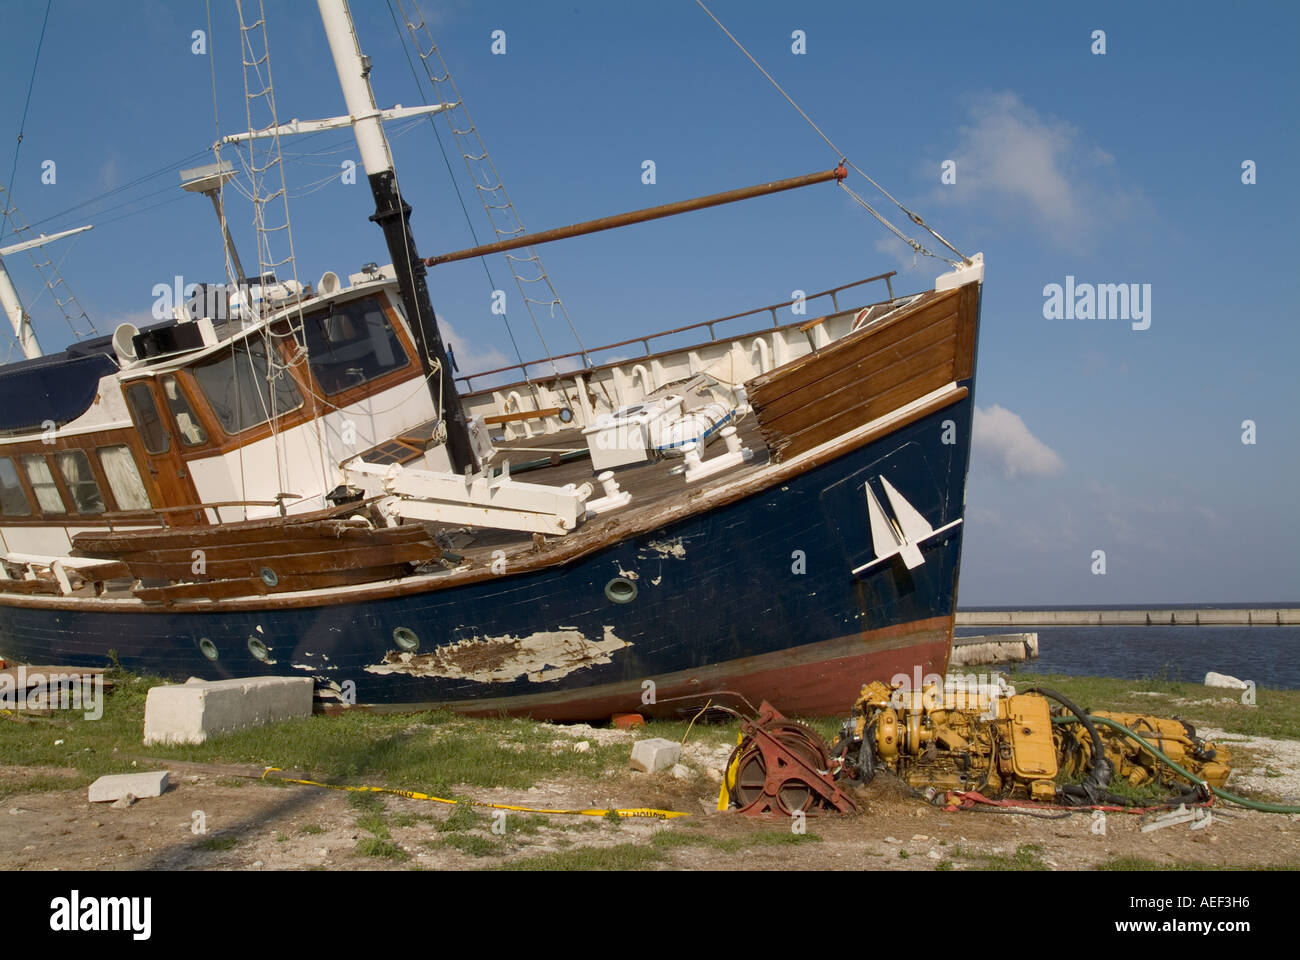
[782,767]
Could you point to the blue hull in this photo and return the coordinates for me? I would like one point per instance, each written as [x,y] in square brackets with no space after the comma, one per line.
[721,596]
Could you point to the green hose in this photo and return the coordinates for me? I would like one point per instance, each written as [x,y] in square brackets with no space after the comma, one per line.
[1160,755]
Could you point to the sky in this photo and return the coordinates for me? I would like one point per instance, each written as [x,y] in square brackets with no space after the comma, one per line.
[1094,441]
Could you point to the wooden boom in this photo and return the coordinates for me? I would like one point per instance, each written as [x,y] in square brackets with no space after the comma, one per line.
[639,216]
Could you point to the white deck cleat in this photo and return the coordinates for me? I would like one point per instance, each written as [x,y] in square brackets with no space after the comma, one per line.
[698,469]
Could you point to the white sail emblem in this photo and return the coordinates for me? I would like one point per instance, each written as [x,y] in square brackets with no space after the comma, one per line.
[900,536]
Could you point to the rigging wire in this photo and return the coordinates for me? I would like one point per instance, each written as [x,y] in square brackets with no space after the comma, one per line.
[487,270]
[22,124]
[914,217]
[168,168]
[494,187]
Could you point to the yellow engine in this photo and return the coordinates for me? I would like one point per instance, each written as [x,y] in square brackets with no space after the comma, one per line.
[972,737]
[986,737]
[1132,762]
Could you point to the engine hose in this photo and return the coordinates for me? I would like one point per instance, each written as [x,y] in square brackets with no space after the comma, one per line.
[1093,788]
[867,754]
[1196,781]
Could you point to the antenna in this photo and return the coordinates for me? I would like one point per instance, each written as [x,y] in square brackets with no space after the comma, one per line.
[208,180]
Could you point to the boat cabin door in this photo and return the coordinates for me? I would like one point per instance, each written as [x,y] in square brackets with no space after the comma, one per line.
[167,477]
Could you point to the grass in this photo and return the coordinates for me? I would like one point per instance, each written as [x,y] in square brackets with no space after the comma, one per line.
[641,856]
[42,783]
[381,848]
[527,824]
[462,817]
[432,752]
[438,752]
[1276,712]
[667,839]
[1141,864]
[380,842]
[1026,857]
[218,841]
[624,856]
[473,844]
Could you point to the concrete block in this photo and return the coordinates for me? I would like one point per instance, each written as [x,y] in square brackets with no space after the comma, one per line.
[1213,679]
[193,712]
[651,756]
[119,785]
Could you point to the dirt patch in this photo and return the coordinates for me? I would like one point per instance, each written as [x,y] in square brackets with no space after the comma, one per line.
[1261,765]
[249,824]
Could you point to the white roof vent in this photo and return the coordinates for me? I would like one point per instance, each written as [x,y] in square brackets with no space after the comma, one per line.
[122,345]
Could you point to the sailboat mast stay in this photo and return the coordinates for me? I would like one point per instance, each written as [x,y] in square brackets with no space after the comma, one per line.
[393,215]
[18,318]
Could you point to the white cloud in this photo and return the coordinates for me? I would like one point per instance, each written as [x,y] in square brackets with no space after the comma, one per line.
[1014,161]
[1001,438]
[904,256]
[470,357]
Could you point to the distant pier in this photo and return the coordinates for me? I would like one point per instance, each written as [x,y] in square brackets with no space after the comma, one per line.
[1174,616]
[993,648]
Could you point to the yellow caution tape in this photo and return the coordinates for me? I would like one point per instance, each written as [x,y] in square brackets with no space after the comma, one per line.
[414,795]
[729,778]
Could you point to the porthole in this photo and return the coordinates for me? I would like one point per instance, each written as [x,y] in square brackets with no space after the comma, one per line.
[406,639]
[258,649]
[208,649]
[268,576]
[621,590]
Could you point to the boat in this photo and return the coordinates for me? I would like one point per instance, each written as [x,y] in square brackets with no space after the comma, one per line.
[288,479]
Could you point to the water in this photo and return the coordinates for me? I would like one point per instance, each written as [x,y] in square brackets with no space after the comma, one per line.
[1270,656]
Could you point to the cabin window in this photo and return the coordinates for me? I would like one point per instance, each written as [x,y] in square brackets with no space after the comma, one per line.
[13,498]
[145,414]
[123,478]
[237,388]
[187,425]
[80,481]
[352,343]
[47,493]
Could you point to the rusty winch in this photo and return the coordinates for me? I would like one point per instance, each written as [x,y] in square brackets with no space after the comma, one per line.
[781,767]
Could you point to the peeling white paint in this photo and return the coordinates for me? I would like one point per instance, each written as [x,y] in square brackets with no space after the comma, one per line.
[657,580]
[668,548]
[542,656]
[628,574]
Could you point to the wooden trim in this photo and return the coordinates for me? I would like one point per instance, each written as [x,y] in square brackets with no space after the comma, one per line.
[34,515]
[64,493]
[523,415]
[316,402]
[866,374]
[410,371]
[325,522]
[964,367]
[587,540]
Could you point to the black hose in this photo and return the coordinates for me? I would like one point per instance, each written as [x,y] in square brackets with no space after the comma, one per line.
[867,754]
[1093,789]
